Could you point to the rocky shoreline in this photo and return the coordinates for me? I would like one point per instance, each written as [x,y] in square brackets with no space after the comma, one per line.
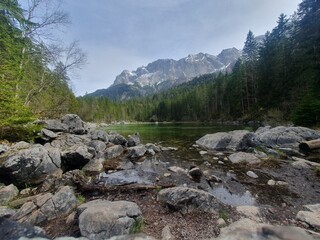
[82,182]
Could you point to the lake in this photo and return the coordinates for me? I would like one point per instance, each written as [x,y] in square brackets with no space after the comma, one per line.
[181,135]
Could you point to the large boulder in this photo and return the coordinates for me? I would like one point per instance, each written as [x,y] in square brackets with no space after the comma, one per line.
[8,193]
[189,200]
[136,151]
[54,125]
[113,151]
[311,217]
[98,135]
[12,230]
[103,219]
[76,157]
[134,140]
[234,140]
[284,136]
[243,157]
[74,123]
[117,139]
[47,207]
[30,166]
[250,230]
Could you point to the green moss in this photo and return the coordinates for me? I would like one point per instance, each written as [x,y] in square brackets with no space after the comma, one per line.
[224,215]
[81,199]
[137,226]
[318,171]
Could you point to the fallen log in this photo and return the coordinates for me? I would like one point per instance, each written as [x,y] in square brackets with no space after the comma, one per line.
[308,146]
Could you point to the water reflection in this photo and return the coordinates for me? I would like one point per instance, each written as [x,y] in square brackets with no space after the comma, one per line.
[225,196]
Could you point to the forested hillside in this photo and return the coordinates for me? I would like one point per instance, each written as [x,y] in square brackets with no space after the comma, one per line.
[34,65]
[278,78]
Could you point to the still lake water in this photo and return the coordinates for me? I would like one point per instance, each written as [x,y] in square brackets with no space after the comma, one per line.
[171,134]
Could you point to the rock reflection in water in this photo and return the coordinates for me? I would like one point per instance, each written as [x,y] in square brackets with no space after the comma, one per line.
[225,196]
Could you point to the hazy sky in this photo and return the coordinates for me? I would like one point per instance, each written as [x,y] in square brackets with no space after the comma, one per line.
[126,34]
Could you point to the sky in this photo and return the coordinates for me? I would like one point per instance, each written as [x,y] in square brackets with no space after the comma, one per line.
[126,34]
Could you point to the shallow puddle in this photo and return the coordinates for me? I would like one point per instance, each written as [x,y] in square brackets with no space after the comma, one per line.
[225,196]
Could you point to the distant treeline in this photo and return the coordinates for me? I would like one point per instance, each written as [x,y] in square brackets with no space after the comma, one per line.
[279,78]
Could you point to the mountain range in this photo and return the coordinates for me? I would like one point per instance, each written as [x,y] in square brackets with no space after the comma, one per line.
[163,74]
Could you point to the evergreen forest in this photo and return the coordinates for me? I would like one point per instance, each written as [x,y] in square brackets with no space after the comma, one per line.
[278,78]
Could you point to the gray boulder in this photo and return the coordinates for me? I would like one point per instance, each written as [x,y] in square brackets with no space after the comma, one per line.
[311,217]
[98,146]
[75,157]
[234,140]
[189,200]
[54,125]
[117,139]
[30,166]
[98,135]
[243,157]
[286,137]
[6,212]
[104,219]
[113,151]
[47,135]
[8,193]
[153,147]
[47,207]
[134,140]
[137,151]
[12,230]
[250,230]
[74,123]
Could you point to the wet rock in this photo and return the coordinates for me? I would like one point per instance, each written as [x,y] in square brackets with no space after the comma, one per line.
[134,140]
[6,212]
[47,135]
[12,230]
[243,157]
[8,193]
[234,140]
[30,166]
[188,200]
[105,219]
[250,212]
[137,151]
[75,157]
[287,137]
[98,135]
[117,139]
[169,148]
[311,217]
[195,172]
[113,151]
[47,207]
[251,174]
[74,123]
